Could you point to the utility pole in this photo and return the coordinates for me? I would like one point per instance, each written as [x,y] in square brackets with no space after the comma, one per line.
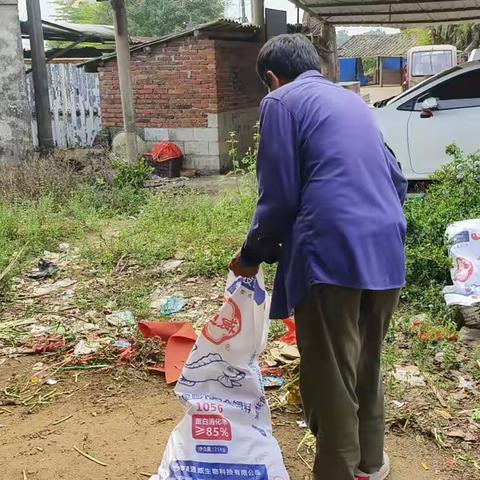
[244,12]
[258,13]
[125,78]
[40,76]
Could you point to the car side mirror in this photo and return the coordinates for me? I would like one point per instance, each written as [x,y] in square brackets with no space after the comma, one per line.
[428,105]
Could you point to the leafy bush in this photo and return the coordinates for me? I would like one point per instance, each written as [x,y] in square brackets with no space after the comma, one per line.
[454,195]
[132,176]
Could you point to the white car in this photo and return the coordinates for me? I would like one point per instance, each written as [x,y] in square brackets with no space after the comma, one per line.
[420,123]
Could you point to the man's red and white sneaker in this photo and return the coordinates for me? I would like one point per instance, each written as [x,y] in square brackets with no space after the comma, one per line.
[382,474]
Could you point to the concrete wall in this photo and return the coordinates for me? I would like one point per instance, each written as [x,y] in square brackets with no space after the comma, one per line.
[15,127]
[206,149]
[242,122]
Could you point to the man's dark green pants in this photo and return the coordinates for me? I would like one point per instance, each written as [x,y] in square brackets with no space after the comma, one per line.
[340,332]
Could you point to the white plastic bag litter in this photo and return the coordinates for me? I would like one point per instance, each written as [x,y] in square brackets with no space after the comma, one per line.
[464,240]
[226,433]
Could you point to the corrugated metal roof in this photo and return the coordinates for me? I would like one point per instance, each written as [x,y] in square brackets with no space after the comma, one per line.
[364,46]
[219,26]
[73,32]
[396,13]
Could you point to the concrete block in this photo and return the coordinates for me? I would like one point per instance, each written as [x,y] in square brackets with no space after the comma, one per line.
[218,148]
[181,134]
[188,161]
[156,134]
[205,134]
[212,120]
[207,163]
[196,148]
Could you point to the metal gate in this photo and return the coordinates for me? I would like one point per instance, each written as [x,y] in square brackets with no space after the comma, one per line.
[74,104]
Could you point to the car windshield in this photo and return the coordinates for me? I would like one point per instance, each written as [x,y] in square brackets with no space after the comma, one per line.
[425,82]
[430,63]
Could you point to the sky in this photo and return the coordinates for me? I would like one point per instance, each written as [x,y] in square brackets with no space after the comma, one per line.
[48,12]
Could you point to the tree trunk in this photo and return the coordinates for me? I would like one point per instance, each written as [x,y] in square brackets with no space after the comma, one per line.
[324,37]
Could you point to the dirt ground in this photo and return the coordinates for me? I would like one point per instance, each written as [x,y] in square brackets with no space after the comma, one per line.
[122,415]
[125,421]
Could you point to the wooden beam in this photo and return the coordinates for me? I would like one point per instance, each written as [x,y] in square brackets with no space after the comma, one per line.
[326,15]
[383,22]
[358,3]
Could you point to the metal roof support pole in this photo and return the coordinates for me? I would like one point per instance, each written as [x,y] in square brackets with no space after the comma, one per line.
[125,77]
[40,76]
[380,60]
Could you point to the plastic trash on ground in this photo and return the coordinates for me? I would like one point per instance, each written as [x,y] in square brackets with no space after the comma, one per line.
[290,338]
[226,433]
[84,347]
[172,305]
[180,338]
[464,250]
[121,319]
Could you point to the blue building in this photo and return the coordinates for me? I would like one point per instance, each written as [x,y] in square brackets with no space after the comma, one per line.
[389,52]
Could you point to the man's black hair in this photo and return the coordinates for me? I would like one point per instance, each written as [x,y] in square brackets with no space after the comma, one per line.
[287,56]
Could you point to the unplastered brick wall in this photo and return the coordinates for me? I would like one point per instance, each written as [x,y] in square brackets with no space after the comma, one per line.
[239,93]
[238,86]
[191,91]
[174,85]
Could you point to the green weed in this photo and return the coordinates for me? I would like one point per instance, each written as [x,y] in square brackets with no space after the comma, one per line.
[453,196]
[205,232]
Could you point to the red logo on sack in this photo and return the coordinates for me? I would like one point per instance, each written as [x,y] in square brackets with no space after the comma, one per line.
[464,270]
[475,236]
[226,325]
[211,427]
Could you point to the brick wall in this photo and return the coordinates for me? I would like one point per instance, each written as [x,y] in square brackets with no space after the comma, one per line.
[174,86]
[238,86]
[191,91]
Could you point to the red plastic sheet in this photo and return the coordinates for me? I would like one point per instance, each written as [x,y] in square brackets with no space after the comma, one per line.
[164,151]
[180,338]
[290,338]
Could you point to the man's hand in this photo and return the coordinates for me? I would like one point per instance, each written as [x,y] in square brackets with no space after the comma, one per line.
[240,270]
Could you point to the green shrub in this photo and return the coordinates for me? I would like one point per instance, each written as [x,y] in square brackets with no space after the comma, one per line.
[454,195]
[132,176]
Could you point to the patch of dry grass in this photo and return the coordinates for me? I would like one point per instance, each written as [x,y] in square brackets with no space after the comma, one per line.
[57,174]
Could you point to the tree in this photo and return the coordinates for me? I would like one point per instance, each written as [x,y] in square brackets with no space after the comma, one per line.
[99,13]
[465,37]
[160,17]
[342,37]
[423,35]
[147,18]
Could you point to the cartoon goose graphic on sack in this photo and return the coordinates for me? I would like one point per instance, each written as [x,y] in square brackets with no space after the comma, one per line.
[211,368]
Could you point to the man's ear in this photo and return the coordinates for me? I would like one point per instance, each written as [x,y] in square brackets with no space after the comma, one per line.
[273,81]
